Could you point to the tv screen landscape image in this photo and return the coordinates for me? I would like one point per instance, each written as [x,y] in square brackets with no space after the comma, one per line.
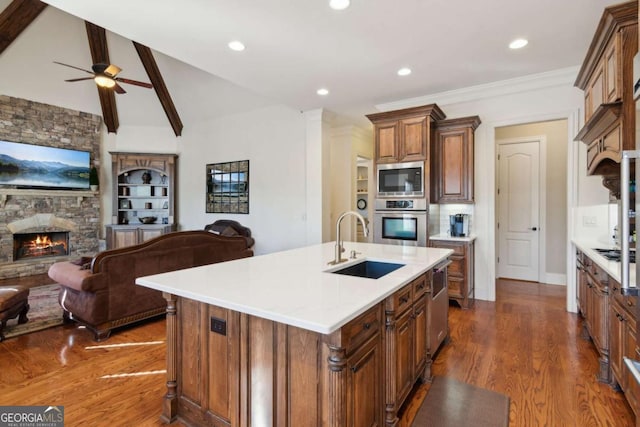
[34,166]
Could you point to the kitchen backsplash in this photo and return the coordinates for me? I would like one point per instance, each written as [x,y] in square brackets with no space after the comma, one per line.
[442,220]
[595,222]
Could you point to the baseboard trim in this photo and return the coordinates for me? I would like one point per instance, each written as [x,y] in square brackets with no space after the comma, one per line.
[554,279]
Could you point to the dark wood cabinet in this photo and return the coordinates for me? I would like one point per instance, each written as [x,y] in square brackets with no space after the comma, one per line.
[406,343]
[594,303]
[404,135]
[622,328]
[606,77]
[364,379]
[452,152]
[460,274]
[261,372]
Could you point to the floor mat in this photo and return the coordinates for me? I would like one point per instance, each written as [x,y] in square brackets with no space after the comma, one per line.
[450,403]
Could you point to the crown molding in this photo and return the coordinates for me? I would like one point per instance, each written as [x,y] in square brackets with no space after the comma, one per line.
[549,79]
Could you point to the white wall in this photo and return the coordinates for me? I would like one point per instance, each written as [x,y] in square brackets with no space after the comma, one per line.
[273,140]
[547,96]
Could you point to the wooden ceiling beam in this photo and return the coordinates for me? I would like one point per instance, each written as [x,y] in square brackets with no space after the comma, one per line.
[100,55]
[16,17]
[150,65]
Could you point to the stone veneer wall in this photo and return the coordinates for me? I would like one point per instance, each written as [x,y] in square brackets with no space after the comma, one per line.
[41,124]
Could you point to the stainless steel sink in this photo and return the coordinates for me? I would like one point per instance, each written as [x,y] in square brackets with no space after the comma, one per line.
[369,269]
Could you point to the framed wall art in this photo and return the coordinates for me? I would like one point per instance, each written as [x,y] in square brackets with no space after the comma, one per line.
[228,187]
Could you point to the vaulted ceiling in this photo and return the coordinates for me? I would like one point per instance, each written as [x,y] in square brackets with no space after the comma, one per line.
[294,48]
[19,14]
[27,70]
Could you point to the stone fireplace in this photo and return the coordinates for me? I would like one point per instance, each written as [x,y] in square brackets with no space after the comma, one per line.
[71,219]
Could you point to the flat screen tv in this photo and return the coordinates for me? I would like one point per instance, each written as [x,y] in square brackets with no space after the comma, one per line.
[36,166]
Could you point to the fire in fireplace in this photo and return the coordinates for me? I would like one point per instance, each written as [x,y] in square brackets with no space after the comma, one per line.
[44,244]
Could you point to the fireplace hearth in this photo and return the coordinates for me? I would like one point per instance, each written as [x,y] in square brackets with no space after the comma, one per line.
[41,244]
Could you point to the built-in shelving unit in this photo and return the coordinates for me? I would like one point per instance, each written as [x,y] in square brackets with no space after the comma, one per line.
[143,197]
[363,205]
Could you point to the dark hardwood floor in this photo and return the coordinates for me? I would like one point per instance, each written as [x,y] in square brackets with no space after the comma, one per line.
[524,345]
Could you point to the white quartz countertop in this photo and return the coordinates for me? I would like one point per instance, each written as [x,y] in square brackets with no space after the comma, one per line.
[613,268]
[296,287]
[446,237]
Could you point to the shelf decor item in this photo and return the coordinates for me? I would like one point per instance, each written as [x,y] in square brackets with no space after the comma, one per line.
[94,180]
[146,177]
[147,219]
[228,187]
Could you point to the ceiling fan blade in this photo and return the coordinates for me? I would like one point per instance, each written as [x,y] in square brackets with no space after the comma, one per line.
[72,66]
[112,70]
[119,89]
[80,79]
[134,82]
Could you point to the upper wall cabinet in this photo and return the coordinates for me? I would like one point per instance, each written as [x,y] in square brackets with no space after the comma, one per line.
[404,135]
[452,160]
[606,77]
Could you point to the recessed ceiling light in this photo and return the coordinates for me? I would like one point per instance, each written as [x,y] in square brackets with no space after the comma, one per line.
[339,4]
[322,92]
[518,43]
[236,45]
[404,71]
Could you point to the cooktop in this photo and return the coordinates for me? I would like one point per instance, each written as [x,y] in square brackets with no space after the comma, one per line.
[614,254]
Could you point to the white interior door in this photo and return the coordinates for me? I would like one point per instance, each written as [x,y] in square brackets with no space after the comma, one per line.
[518,210]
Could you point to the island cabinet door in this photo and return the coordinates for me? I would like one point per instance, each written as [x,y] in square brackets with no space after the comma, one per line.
[364,394]
[208,371]
[404,360]
[420,321]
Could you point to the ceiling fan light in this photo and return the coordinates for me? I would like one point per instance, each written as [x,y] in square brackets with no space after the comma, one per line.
[236,45]
[104,81]
[339,4]
[518,43]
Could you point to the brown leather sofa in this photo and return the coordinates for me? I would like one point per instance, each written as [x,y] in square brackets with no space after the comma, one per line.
[101,293]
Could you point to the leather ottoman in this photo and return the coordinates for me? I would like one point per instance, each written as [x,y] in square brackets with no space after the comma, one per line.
[13,303]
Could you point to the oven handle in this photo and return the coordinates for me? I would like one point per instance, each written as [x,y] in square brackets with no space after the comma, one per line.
[441,267]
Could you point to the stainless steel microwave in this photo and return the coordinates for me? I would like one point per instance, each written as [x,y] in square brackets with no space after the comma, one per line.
[400,179]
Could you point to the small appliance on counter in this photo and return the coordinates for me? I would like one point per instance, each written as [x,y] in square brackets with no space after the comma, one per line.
[459,225]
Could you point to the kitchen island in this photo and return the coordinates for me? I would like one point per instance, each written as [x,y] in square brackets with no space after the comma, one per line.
[280,339]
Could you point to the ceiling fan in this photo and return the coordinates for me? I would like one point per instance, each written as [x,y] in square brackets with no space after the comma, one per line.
[105,75]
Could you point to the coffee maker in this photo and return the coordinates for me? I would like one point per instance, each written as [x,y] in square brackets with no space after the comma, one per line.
[459,225]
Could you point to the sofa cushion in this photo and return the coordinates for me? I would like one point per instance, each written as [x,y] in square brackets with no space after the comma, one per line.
[69,274]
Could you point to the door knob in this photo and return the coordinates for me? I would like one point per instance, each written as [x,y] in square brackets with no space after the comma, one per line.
[534,228]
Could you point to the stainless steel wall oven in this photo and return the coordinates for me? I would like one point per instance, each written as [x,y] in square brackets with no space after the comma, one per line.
[401,222]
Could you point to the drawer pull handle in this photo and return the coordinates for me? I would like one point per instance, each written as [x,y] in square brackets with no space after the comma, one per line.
[367,326]
[404,300]
[629,303]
